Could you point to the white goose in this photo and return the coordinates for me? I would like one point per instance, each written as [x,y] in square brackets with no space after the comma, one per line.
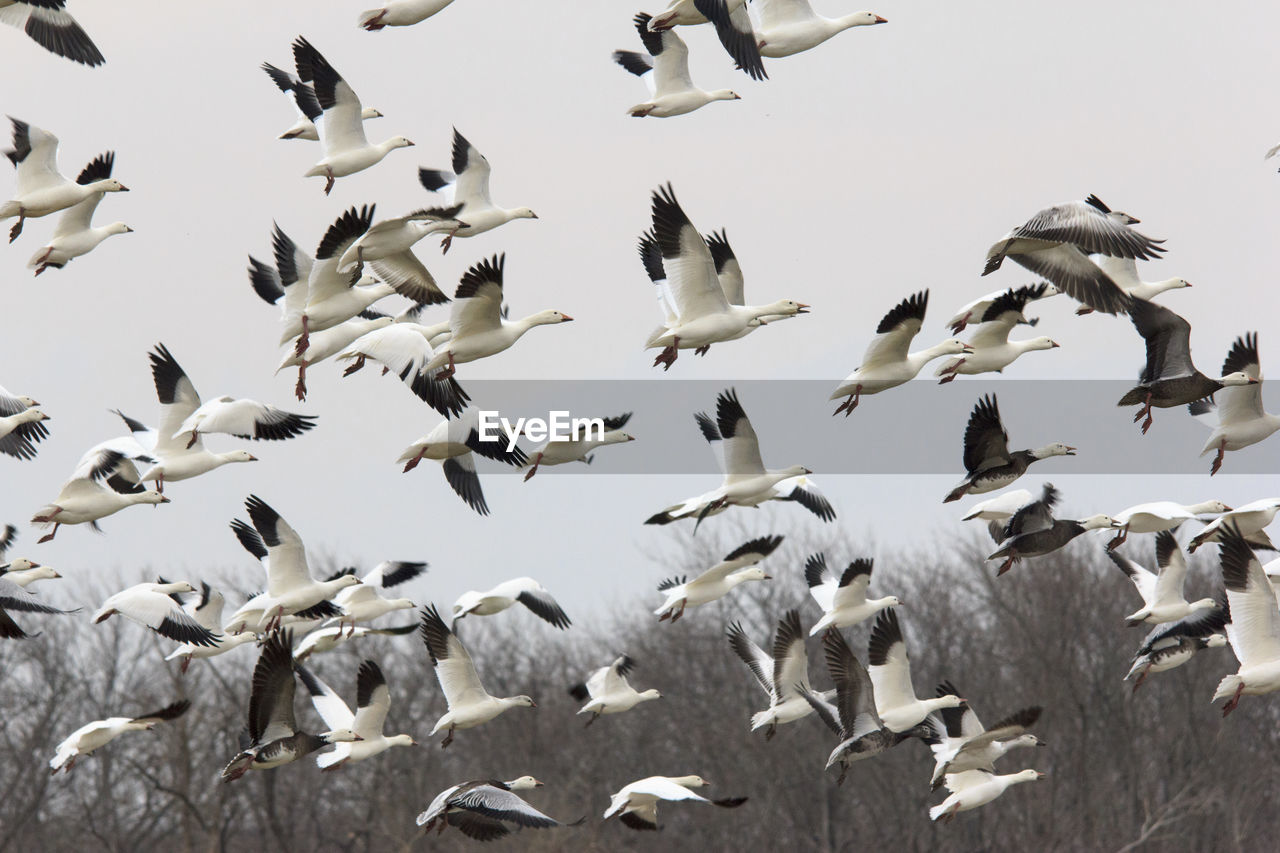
[1241,420]
[303,128]
[1162,596]
[890,671]
[1156,516]
[155,606]
[526,591]
[671,89]
[84,499]
[467,191]
[470,704]
[478,329]
[784,675]
[21,430]
[607,691]
[636,804]
[887,362]
[973,311]
[843,601]
[346,150]
[404,348]
[482,808]
[1124,272]
[961,743]
[746,481]
[290,586]
[207,611]
[49,24]
[74,235]
[362,603]
[41,187]
[373,701]
[24,572]
[388,247]
[974,788]
[323,640]
[992,349]
[15,596]
[737,567]
[787,27]
[1254,629]
[999,508]
[453,443]
[563,451]
[1169,646]
[1249,520]
[99,733]
[400,13]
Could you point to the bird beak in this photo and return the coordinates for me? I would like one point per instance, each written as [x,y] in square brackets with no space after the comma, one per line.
[761,44]
[1055,345]
[1188,283]
[737,97]
[359,738]
[1071,451]
[880,20]
[768,577]
[164,500]
[533,704]
[410,141]
[566,318]
[413,742]
[123,188]
[1253,381]
[252,458]
[128,230]
[1041,743]
[967,348]
[1040,775]
[1228,509]
[804,309]
[45,417]
[538,784]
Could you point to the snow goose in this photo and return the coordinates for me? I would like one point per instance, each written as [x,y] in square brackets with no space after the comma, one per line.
[180,451]
[1032,531]
[363,604]
[890,671]
[961,743]
[636,804]
[1160,515]
[697,311]
[74,235]
[24,572]
[405,348]
[787,27]
[987,458]
[272,736]
[992,349]
[1169,646]
[467,191]
[729,273]
[14,596]
[1056,244]
[1124,272]
[21,428]
[452,443]
[478,329]
[482,808]
[401,13]
[1248,520]
[526,591]
[843,601]
[373,700]
[738,566]
[1000,507]
[1254,626]
[207,611]
[562,451]
[784,675]
[99,733]
[49,24]
[330,342]
[671,89]
[736,32]
[154,605]
[387,247]
[84,499]
[243,418]
[290,586]
[327,639]
[253,614]
[607,691]
[1241,419]
[974,310]
[1161,593]
[974,788]
[41,187]
[469,703]
[346,150]
[887,362]
[1169,378]
[856,722]
[303,128]
[746,481]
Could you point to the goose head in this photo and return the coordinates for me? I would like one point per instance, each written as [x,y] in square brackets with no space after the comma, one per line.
[368,113]
[1214,641]
[690,781]
[29,415]
[1203,604]
[1237,378]
[787,308]
[795,471]
[949,701]
[547,318]
[107,185]
[237,456]
[1055,449]
[1026,776]
[1122,218]
[651,693]
[402,740]
[863,19]
[170,588]
[754,573]
[118,228]
[1097,522]
[951,346]
[524,783]
[887,601]
[35,572]
[1170,284]
[397,142]
[521,702]
[150,496]
[27,402]
[22,564]
[522,213]
[344,581]
[724,95]
[1040,343]
[1026,740]
[340,736]
[1208,506]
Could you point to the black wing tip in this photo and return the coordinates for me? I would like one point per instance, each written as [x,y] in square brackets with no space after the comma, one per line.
[728,412]
[911,308]
[762,545]
[98,169]
[369,678]
[489,270]
[1243,352]
[347,227]
[884,635]
[815,569]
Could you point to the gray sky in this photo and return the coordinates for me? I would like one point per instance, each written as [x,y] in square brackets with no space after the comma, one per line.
[885,161]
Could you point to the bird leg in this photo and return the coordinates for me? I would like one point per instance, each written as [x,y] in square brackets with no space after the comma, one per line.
[1217,460]
[1082,310]
[952,371]
[446,243]
[41,260]
[850,404]
[448,739]
[1008,564]
[413,463]
[951,813]
[1119,538]
[669,354]
[679,612]
[304,340]
[1141,677]
[772,730]
[195,436]
[49,535]
[301,388]
[186,662]
[536,461]
[328,179]
[355,365]
[665,616]
[703,350]
[844,771]
[1234,701]
[373,24]
[1145,411]
[17,226]
[594,715]
[160,483]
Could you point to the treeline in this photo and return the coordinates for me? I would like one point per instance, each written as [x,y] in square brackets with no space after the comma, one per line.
[1159,768]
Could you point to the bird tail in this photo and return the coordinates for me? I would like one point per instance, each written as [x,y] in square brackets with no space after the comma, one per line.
[9,210]
[760,719]
[1227,687]
[1135,396]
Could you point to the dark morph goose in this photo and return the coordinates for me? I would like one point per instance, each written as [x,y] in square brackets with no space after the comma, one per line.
[987,457]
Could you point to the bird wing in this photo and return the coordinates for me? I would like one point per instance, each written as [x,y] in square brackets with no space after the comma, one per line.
[783,13]
[756,659]
[342,128]
[728,269]
[1168,338]
[1254,630]
[49,24]
[888,663]
[1173,570]
[245,418]
[497,803]
[286,564]
[472,170]
[373,700]
[855,690]
[35,155]
[271,699]
[328,704]
[852,588]
[986,443]
[1242,403]
[822,585]
[1087,225]
[790,664]
[534,596]
[477,306]
[741,446]
[178,401]
[896,331]
[735,32]
[455,670]
[691,271]
[1144,580]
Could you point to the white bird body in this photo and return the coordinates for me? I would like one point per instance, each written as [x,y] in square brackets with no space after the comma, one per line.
[1254,629]
[526,591]
[972,312]
[1158,516]
[665,72]
[333,340]
[1124,272]
[607,690]
[843,600]
[373,703]
[890,671]
[1241,419]
[683,13]
[1161,594]
[738,566]
[93,736]
[960,743]
[83,499]
[564,451]
[974,788]
[387,247]
[467,189]
[453,443]
[1001,507]
[992,351]
[784,675]
[787,27]
[150,604]
[75,235]
[401,13]
[1250,520]
[636,804]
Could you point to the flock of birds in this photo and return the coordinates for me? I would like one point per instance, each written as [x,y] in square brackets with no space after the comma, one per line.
[1083,249]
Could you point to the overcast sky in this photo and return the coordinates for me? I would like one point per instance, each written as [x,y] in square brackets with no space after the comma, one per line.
[885,161]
